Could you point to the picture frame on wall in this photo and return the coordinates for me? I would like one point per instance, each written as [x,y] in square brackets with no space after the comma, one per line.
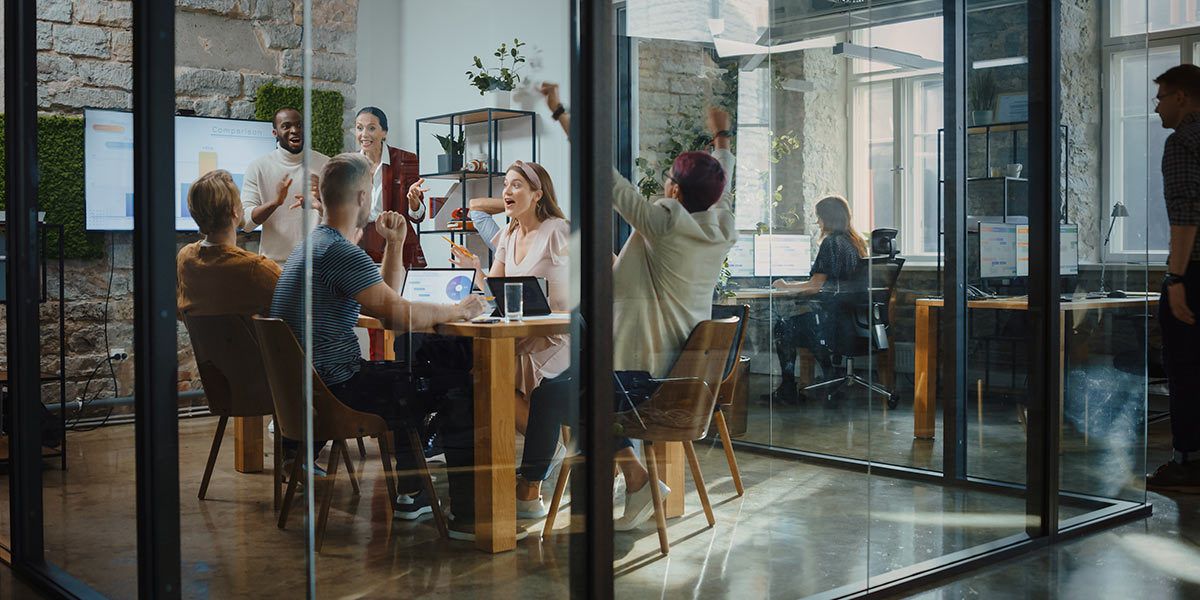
[1012,107]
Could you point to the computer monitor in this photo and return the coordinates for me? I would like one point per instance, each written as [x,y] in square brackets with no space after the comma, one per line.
[782,255]
[741,256]
[1068,250]
[997,250]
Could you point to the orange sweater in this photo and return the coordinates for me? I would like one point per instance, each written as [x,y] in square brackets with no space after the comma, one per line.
[223,280]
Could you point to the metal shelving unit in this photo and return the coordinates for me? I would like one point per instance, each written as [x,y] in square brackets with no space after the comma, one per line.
[457,124]
[59,377]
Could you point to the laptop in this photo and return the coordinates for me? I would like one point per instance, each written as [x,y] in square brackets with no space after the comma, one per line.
[535,304]
[438,286]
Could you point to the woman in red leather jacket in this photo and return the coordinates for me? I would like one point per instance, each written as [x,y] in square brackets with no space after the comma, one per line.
[395,186]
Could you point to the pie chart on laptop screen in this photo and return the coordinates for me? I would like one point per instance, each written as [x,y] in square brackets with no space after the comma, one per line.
[458,288]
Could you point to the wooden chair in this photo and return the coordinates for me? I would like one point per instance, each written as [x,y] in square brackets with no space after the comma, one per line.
[730,385]
[231,369]
[680,410]
[332,420]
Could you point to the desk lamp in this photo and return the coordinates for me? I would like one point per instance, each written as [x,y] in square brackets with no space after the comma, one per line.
[1118,212]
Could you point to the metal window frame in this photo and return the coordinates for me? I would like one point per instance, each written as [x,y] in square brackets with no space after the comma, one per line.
[156,396]
[592,144]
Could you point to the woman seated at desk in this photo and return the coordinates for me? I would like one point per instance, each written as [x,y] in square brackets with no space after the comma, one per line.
[837,259]
[533,244]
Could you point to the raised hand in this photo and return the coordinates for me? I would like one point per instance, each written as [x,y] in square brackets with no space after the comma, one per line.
[317,205]
[462,258]
[550,91]
[281,190]
[718,120]
[392,227]
[416,193]
[315,182]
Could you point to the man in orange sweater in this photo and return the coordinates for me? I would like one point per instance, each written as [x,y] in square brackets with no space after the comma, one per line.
[214,275]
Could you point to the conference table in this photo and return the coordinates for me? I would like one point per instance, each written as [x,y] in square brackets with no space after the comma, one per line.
[926,346]
[495,423]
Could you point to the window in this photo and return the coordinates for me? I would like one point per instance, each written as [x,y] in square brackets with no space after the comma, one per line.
[1135,142]
[895,123]
[1133,17]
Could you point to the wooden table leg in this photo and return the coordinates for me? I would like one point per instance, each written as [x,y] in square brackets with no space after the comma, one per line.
[389,345]
[495,445]
[925,390]
[248,444]
[670,459]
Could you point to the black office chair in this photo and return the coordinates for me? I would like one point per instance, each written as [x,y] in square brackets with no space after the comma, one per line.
[854,319]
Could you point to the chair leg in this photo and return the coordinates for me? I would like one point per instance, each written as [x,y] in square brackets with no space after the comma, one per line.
[727,442]
[439,516]
[362,448]
[277,470]
[560,488]
[350,469]
[339,448]
[656,496]
[212,455]
[698,477]
[293,483]
[389,470]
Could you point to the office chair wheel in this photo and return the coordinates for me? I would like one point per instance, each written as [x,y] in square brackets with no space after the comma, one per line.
[893,401]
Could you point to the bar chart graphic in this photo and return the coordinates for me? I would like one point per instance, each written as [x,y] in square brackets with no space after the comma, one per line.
[202,145]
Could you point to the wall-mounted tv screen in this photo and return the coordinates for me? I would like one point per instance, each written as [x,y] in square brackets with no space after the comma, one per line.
[201,145]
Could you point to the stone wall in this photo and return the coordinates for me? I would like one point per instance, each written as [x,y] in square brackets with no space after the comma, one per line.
[226,50]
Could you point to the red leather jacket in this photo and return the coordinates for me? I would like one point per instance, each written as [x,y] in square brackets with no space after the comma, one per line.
[397,178]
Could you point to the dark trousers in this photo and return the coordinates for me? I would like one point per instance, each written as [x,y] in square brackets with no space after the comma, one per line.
[439,380]
[799,331]
[552,405]
[1181,357]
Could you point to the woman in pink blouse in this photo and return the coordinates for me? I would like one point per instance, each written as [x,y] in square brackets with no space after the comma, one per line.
[535,245]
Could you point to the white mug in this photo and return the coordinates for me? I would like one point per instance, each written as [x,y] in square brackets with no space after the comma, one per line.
[1013,170]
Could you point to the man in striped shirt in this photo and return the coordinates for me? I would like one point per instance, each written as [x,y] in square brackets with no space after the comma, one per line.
[345,284]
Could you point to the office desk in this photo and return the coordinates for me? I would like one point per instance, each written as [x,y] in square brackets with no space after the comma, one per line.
[756,294]
[925,389]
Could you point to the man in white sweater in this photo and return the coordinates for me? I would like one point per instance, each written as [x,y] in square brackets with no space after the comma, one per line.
[278,179]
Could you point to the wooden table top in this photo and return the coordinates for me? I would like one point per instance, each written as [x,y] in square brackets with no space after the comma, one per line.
[1079,303]
[532,327]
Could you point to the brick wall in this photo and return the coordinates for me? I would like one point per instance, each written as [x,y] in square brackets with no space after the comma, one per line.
[226,50]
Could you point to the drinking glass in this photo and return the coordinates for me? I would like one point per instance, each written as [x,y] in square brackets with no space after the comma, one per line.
[514,301]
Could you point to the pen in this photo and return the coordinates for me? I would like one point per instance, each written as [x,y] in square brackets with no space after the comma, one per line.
[459,246]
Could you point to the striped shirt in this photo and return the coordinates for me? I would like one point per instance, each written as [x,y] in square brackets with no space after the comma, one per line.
[340,271]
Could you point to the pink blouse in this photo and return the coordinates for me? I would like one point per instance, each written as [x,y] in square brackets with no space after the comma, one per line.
[547,257]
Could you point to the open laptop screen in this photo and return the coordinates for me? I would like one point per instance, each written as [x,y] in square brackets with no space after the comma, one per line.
[438,286]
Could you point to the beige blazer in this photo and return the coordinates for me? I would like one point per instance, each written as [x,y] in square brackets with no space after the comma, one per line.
[664,276]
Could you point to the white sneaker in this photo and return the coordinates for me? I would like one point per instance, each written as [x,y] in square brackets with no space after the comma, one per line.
[465,532]
[638,507]
[532,509]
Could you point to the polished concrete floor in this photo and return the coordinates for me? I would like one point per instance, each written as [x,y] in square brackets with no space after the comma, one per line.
[800,530]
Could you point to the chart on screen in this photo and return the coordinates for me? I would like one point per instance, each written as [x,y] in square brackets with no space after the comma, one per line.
[201,145]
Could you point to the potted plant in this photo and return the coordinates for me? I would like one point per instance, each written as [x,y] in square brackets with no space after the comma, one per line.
[500,81]
[452,160]
[981,96]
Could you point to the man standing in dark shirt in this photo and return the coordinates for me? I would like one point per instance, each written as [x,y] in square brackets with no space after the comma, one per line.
[1178,104]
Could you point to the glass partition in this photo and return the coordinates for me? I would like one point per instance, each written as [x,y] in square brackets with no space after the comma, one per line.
[88,496]
[1113,377]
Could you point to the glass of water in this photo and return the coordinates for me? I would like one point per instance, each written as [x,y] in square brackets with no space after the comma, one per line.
[514,301]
